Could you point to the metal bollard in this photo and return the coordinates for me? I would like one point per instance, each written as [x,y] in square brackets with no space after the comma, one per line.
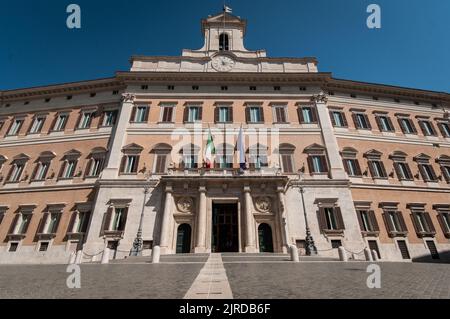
[294,253]
[72,258]
[78,257]
[342,254]
[105,257]
[375,255]
[368,254]
[156,252]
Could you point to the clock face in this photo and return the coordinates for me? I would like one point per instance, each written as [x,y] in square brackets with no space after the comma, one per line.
[223,63]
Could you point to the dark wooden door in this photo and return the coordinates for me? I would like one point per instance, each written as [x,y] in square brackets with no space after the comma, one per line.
[184,239]
[225,236]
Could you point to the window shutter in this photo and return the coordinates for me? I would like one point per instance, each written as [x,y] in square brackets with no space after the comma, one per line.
[377,119]
[27,224]
[369,126]
[344,119]
[216,114]
[107,219]
[13,224]
[441,220]
[10,126]
[33,175]
[123,219]
[401,125]
[322,219]
[373,221]
[388,222]
[323,160]
[247,114]
[444,173]
[136,164]
[261,110]
[146,113]
[422,127]
[314,114]
[230,114]
[200,113]
[8,177]
[61,170]
[358,168]
[414,218]
[86,220]
[77,123]
[397,171]
[300,115]
[332,118]
[310,165]
[391,125]
[441,129]
[287,163]
[429,222]
[52,126]
[383,169]
[339,219]
[160,164]
[73,218]
[102,117]
[413,126]
[410,175]
[345,163]
[355,120]
[122,164]
[402,221]
[186,114]
[360,221]
[56,226]
[133,114]
[88,167]
[433,174]
[42,222]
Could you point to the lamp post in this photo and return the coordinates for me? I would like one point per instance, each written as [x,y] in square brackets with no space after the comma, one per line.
[138,242]
[310,246]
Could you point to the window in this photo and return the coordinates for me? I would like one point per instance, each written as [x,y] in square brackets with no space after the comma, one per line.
[330,219]
[384,123]
[171,87]
[427,172]
[224,156]
[85,119]
[48,225]
[37,124]
[307,115]
[118,219]
[223,114]
[109,118]
[68,168]
[144,87]
[252,88]
[95,167]
[129,164]
[189,156]
[43,246]
[147,244]
[60,122]
[93,94]
[338,119]
[287,158]
[422,223]
[444,127]
[16,172]
[224,88]
[361,121]
[13,247]
[336,243]
[195,87]
[258,156]
[401,167]
[367,221]
[115,219]
[444,162]
[78,222]
[427,128]
[317,160]
[40,171]
[407,125]
[20,223]
[377,169]
[140,114]
[280,114]
[254,114]
[224,44]
[160,165]
[167,113]
[115,92]
[15,127]
[192,114]
[395,224]
[352,168]
[444,218]
[276,88]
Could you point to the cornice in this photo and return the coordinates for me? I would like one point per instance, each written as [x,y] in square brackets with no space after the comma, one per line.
[401,188]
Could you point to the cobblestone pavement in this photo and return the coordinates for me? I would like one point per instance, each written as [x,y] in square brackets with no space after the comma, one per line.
[249,278]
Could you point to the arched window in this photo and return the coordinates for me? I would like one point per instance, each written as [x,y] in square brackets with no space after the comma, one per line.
[224,42]
[258,156]
[224,156]
[350,160]
[189,154]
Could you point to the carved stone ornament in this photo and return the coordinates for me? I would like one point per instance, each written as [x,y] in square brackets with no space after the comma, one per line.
[263,204]
[319,98]
[127,97]
[185,204]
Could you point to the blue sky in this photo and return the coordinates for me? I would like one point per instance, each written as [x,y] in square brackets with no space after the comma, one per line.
[411,49]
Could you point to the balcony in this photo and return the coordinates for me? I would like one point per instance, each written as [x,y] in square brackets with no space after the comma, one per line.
[224,172]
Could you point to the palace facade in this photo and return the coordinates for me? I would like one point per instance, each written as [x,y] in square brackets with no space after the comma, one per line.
[86,165]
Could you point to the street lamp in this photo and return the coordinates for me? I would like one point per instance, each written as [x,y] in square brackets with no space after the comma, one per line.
[138,242]
[310,246]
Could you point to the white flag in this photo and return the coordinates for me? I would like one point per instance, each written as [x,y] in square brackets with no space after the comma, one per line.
[227,9]
[240,147]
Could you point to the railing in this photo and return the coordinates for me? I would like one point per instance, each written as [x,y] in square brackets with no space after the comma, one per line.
[227,172]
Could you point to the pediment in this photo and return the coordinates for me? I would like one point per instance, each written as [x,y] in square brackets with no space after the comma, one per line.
[223,15]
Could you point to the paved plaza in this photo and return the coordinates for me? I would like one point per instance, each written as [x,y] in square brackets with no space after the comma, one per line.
[225,276]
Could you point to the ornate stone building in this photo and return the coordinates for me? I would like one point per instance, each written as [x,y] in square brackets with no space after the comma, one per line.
[84,164]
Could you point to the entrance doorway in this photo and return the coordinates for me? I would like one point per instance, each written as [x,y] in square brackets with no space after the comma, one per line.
[265,239]
[184,239]
[225,229]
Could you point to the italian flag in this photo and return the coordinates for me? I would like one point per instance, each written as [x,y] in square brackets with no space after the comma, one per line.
[210,151]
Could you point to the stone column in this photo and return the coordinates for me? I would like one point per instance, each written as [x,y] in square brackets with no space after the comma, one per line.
[200,242]
[284,221]
[166,222]
[335,162]
[249,222]
[118,138]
